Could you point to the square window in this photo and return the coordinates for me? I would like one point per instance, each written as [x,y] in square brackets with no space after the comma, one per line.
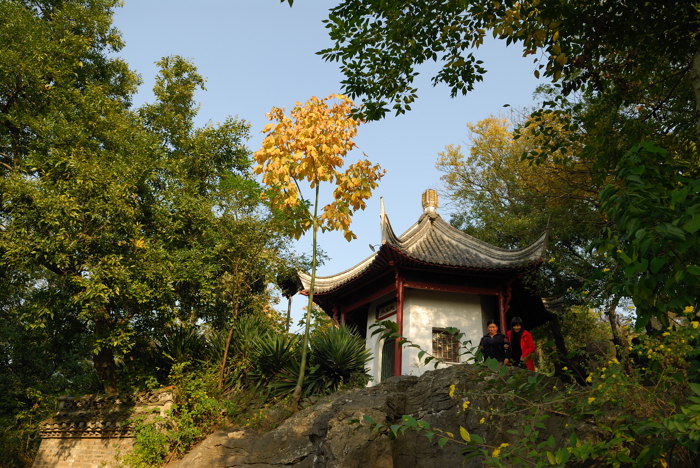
[445,345]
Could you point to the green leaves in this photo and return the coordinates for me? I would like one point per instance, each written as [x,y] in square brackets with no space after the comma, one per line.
[124,221]
[608,423]
[654,209]
[380,47]
[389,331]
[558,458]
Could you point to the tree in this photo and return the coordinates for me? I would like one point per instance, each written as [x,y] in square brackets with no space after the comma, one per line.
[121,229]
[622,73]
[506,200]
[654,214]
[113,218]
[37,364]
[66,134]
[250,257]
[310,146]
[580,44]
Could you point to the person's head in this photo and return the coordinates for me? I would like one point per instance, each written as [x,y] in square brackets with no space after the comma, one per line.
[492,327]
[516,324]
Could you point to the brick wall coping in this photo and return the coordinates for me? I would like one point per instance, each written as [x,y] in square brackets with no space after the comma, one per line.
[100,416]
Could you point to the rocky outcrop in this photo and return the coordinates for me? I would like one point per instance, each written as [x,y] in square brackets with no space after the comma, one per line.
[324,435]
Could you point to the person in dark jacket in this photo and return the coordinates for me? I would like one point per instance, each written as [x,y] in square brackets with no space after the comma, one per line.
[521,344]
[495,345]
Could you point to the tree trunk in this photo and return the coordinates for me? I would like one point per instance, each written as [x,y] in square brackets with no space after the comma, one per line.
[289,312]
[234,299]
[106,370]
[612,318]
[103,361]
[695,80]
[559,343]
[296,396]
[621,352]
[222,372]
[563,354]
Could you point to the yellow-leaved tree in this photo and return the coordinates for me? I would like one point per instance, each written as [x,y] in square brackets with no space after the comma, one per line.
[306,149]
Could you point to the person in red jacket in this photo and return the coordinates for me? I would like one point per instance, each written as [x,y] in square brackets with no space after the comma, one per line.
[521,344]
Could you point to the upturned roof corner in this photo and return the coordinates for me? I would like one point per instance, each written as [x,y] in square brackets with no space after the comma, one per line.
[432,241]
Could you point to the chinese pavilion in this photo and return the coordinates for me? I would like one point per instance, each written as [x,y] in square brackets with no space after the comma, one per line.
[431,277]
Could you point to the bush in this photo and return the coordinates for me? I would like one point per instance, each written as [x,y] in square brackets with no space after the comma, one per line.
[337,357]
[642,412]
[242,366]
[340,356]
[198,410]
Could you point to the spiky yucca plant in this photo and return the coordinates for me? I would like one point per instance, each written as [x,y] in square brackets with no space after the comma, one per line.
[340,355]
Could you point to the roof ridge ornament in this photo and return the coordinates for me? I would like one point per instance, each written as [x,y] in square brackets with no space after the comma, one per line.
[387,232]
[429,200]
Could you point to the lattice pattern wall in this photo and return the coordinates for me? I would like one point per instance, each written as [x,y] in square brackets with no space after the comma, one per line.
[94,431]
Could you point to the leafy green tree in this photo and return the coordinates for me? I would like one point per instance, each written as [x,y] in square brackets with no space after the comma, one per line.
[622,73]
[251,258]
[120,229]
[36,365]
[654,213]
[581,45]
[508,201]
[74,162]
[120,219]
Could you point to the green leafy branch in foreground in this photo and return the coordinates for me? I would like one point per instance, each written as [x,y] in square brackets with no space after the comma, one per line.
[473,444]
[641,412]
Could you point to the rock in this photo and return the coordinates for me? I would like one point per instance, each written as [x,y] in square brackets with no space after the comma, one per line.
[323,435]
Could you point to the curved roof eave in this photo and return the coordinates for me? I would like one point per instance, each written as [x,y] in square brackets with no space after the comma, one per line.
[433,242]
[323,283]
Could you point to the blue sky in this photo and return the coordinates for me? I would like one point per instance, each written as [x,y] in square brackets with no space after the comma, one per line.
[256,54]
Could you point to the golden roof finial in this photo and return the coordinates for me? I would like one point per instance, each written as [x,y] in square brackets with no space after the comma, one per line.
[430,201]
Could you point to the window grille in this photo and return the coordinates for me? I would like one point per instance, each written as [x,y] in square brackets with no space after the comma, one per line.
[445,345]
[386,310]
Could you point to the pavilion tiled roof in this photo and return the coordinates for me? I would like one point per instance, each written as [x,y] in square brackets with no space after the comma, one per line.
[433,241]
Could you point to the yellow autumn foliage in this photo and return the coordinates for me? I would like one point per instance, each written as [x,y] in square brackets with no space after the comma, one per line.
[495,169]
[310,145]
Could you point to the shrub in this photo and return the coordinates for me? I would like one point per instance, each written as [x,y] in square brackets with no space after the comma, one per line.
[337,357]
[198,409]
[340,356]
[642,412]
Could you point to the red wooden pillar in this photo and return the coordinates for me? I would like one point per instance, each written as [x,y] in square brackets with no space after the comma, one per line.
[342,315]
[503,306]
[399,321]
[502,311]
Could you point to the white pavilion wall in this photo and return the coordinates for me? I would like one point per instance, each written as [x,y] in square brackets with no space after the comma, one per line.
[423,311]
[375,343]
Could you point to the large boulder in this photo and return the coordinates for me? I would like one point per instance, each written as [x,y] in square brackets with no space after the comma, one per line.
[326,435]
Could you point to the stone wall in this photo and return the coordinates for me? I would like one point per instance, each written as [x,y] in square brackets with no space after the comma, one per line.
[94,431]
[81,453]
